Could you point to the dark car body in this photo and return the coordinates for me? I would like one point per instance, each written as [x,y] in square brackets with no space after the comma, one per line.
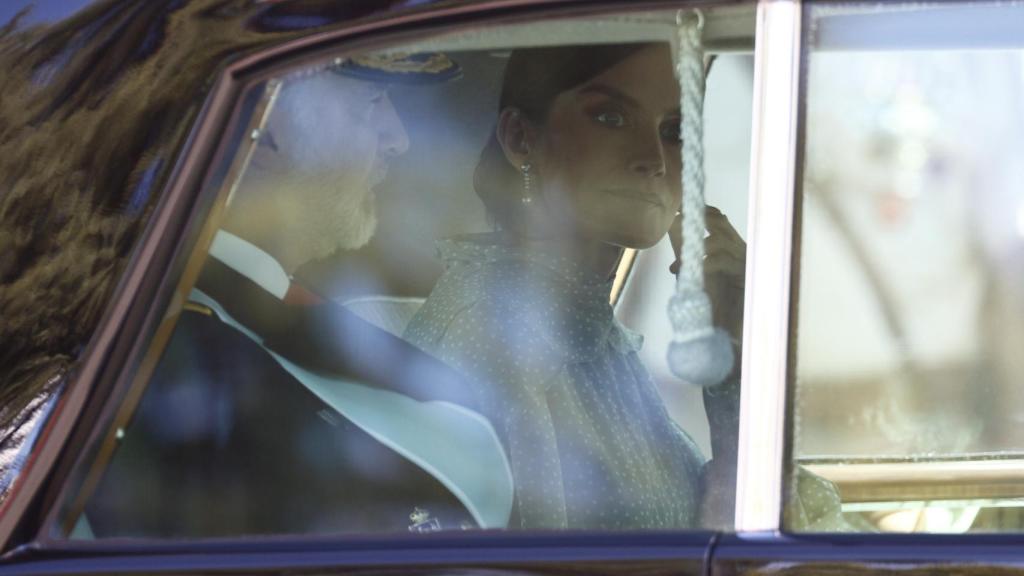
[139,118]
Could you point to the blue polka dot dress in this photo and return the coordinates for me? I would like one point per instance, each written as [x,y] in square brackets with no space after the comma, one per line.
[588,437]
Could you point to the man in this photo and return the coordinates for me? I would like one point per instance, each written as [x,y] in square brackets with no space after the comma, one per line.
[309,188]
[269,417]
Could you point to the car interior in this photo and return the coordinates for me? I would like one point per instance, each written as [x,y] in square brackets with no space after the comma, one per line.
[428,196]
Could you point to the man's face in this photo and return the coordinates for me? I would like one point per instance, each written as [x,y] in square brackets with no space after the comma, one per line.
[330,140]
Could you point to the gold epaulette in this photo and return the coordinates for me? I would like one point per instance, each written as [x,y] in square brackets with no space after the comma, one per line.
[194,307]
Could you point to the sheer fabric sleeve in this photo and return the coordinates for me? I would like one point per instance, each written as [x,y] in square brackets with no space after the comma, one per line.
[718,481]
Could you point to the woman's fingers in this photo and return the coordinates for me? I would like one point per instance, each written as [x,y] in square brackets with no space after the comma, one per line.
[713,217]
[724,249]
[722,234]
[716,224]
[724,270]
[725,261]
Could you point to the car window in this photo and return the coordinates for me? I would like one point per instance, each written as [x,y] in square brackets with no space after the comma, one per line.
[910,301]
[432,295]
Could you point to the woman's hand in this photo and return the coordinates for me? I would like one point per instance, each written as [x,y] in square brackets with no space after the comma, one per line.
[724,268]
[724,281]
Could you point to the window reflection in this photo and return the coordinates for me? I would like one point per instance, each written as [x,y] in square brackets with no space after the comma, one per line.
[402,320]
[911,297]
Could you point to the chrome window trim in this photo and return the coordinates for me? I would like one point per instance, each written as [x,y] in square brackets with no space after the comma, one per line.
[760,470]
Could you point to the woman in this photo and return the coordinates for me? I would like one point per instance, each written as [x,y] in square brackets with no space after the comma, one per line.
[584,162]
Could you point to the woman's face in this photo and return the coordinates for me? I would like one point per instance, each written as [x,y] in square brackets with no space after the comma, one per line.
[608,155]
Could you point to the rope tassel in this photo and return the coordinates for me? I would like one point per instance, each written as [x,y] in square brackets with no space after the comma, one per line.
[699,354]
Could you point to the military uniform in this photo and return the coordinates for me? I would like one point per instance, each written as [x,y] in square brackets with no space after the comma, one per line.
[267,418]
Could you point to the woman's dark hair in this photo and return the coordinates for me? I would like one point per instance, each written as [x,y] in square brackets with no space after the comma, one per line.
[534,77]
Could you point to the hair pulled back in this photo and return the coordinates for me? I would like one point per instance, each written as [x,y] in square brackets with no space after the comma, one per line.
[533,78]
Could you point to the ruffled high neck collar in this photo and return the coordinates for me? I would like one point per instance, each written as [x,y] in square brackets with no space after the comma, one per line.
[495,247]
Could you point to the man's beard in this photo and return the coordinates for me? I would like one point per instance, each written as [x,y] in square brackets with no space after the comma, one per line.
[344,221]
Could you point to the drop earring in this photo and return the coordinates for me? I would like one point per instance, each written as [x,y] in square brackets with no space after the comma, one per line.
[527,198]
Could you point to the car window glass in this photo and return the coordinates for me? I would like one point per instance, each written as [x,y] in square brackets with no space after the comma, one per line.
[432,293]
[910,300]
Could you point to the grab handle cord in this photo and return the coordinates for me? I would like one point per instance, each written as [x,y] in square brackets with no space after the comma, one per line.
[699,354]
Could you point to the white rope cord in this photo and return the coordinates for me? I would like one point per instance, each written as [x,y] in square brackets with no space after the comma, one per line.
[690,71]
[699,353]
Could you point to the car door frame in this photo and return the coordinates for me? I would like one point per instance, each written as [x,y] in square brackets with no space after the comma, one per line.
[144,291]
[760,541]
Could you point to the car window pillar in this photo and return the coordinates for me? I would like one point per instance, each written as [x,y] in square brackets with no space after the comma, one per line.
[769,257]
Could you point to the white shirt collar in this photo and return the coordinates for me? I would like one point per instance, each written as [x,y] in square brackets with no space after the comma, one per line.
[252,262]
